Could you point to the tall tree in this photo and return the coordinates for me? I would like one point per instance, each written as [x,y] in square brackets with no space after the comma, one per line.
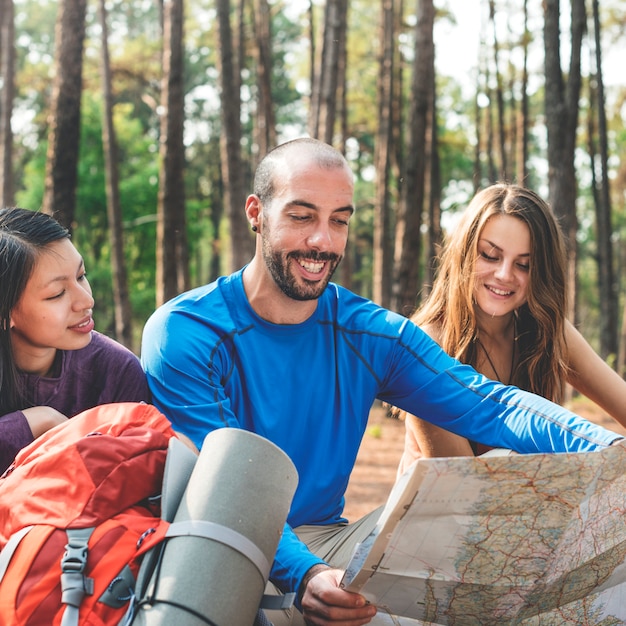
[561,107]
[324,98]
[340,139]
[313,47]
[64,120]
[435,234]
[7,80]
[408,246]
[265,128]
[383,258]
[490,134]
[522,116]
[499,92]
[232,170]
[481,88]
[123,309]
[172,256]
[397,102]
[342,111]
[602,196]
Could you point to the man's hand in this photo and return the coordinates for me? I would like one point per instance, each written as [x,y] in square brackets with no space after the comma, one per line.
[325,603]
[42,418]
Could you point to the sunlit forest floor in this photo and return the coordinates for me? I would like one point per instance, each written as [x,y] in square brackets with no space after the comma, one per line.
[380,452]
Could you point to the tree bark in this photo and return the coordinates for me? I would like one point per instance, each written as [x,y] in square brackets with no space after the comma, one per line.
[232,172]
[499,92]
[123,310]
[7,77]
[522,117]
[397,113]
[492,170]
[59,197]
[383,258]
[604,230]
[561,106]
[479,116]
[265,128]
[408,246]
[434,203]
[327,82]
[313,75]
[172,255]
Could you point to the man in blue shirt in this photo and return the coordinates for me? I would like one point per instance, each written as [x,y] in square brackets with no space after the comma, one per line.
[278,349]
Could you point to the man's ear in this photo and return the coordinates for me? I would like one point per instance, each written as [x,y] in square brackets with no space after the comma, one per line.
[254,212]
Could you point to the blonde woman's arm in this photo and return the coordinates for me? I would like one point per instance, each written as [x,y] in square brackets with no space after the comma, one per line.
[424,440]
[591,376]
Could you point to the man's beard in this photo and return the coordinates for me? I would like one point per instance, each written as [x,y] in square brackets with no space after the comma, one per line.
[278,265]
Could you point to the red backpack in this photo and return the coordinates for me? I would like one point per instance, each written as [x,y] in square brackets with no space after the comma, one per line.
[76,516]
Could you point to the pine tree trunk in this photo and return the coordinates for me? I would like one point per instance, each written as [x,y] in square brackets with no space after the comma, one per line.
[172,255]
[382,158]
[408,246]
[561,106]
[7,77]
[59,197]
[265,128]
[232,170]
[606,273]
[499,92]
[123,310]
[522,117]
[327,82]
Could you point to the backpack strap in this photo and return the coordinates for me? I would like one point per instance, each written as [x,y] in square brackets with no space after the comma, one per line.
[10,548]
[275,602]
[74,585]
[225,535]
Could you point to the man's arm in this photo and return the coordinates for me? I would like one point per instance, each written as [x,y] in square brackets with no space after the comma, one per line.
[428,382]
[184,384]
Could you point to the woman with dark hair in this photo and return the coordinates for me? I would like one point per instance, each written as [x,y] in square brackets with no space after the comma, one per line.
[53,364]
[498,303]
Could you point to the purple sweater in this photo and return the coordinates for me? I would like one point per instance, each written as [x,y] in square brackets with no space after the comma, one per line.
[100,373]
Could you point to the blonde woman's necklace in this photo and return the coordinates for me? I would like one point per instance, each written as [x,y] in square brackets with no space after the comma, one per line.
[493,367]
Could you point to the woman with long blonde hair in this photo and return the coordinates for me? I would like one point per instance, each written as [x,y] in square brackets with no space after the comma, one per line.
[498,303]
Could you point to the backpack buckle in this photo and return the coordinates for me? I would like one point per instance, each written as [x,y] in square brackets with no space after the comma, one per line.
[75,558]
[74,584]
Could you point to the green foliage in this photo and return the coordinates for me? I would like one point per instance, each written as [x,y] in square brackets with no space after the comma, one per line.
[136,64]
[31,195]
[138,171]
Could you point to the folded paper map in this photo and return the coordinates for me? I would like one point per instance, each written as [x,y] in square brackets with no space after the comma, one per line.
[521,539]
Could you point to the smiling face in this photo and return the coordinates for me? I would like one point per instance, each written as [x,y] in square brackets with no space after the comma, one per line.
[304,235]
[502,266]
[304,227]
[55,310]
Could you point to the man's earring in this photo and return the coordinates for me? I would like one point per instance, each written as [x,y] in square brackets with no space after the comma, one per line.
[254,228]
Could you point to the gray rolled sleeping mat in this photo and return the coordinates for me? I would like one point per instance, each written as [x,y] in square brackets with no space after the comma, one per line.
[214,566]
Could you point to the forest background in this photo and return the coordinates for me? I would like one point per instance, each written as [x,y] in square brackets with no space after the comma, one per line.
[138,124]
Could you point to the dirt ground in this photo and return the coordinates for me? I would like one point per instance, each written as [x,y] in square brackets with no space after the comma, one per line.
[375,470]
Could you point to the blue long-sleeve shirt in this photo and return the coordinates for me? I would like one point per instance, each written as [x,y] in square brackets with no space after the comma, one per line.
[211,362]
